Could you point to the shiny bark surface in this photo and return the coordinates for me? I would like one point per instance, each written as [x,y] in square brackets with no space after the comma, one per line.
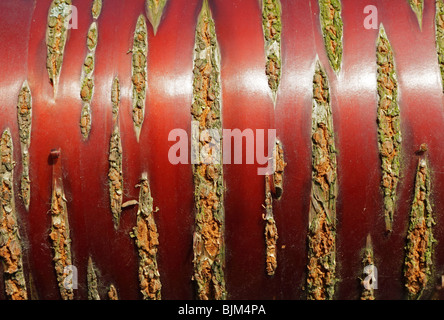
[246,104]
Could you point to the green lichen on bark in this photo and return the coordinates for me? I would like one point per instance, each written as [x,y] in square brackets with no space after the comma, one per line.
[24,119]
[11,251]
[368,259]
[154,11]
[321,268]
[56,36]
[89,64]
[92,37]
[208,240]
[389,125]
[272,27]
[60,239]
[147,242]
[92,282]
[418,8]
[139,73]
[96,8]
[87,89]
[439,35]
[332,30]
[419,248]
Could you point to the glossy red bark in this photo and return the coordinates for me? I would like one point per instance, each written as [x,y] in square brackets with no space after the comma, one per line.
[246,104]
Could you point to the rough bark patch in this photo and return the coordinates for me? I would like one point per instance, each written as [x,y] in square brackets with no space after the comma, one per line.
[321,268]
[389,125]
[419,248]
[139,73]
[331,24]
[272,27]
[56,36]
[154,12]
[24,118]
[147,242]
[11,252]
[208,242]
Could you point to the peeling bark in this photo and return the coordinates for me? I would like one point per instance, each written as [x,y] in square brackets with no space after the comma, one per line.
[24,117]
[273,189]
[368,259]
[272,26]
[60,235]
[11,252]
[56,36]
[208,241]
[87,80]
[112,293]
[419,248]
[278,176]
[147,241]
[321,277]
[154,12]
[96,8]
[139,74]
[115,175]
[115,98]
[418,8]
[389,125]
[331,24]
[92,283]
[85,120]
[271,234]
[439,35]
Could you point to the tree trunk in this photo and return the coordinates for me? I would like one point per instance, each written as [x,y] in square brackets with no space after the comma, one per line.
[77,163]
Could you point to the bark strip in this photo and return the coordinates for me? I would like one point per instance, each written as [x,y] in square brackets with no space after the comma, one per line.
[418,8]
[60,234]
[332,30]
[92,282]
[96,9]
[208,242]
[272,26]
[439,35]
[24,118]
[112,293]
[389,125]
[87,78]
[139,74]
[147,241]
[11,251]
[271,233]
[115,172]
[154,12]
[278,175]
[115,175]
[368,260]
[56,36]
[419,248]
[115,99]
[321,268]
[273,190]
